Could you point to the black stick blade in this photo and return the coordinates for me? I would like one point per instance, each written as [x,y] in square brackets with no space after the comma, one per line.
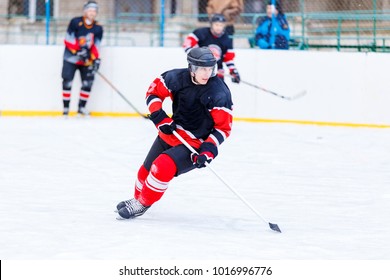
[275,227]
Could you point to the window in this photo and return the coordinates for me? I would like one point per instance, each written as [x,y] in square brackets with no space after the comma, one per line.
[22,8]
[135,10]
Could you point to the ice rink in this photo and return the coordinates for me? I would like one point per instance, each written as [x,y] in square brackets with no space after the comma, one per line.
[328,189]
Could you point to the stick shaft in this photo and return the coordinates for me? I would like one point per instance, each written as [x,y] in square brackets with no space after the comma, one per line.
[271,92]
[121,95]
[185,143]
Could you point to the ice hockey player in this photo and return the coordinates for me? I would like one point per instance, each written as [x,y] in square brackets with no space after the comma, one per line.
[221,45]
[202,115]
[82,44]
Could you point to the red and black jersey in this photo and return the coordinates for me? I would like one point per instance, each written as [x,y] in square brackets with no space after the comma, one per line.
[81,35]
[201,112]
[222,47]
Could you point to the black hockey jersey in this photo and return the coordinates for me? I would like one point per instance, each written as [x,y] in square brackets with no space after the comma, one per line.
[201,112]
[222,47]
[81,35]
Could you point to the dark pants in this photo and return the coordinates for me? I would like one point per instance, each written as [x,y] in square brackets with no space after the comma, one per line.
[180,154]
[68,72]
[87,78]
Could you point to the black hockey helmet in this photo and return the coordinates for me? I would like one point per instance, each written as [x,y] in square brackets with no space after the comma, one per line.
[91,4]
[217,18]
[201,57]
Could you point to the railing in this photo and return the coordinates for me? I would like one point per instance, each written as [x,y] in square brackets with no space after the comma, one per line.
[359,30]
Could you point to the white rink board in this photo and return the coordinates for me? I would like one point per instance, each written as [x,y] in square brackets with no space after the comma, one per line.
[342,87]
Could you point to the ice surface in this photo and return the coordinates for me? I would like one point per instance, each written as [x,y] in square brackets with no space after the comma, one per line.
[328,189]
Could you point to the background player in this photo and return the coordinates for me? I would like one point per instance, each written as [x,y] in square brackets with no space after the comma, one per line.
[221,45]
[202,115]
[82,43]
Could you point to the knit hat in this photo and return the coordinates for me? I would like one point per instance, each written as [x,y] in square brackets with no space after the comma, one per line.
[91,5]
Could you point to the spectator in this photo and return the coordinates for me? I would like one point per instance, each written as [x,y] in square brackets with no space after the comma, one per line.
[273,31]
[231,9]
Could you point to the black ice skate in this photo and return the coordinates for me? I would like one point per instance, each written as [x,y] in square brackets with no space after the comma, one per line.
[65,113]
[82,111]
[123,204]
[132,208]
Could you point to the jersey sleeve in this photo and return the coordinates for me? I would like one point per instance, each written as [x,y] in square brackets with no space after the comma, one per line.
[222,115]
[156,94]
[95,48]
[191,41]
[70,41]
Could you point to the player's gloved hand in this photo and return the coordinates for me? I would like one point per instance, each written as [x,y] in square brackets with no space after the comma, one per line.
[235,75]
[95,66]
[207,153]
[83,54]
[163,123]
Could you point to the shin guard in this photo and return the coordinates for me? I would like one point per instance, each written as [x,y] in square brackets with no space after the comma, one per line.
[140,182]
[161,173]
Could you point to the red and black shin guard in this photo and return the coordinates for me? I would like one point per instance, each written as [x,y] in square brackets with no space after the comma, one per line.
[156,183]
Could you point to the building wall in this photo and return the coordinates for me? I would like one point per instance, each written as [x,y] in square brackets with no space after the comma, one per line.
[3,8]
[72,8]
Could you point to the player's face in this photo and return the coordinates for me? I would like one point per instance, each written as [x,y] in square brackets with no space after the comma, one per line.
[269,11]
[203,74]
[217,27]
[90,14]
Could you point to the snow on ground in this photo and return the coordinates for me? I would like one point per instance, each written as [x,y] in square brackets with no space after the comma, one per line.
[328,189]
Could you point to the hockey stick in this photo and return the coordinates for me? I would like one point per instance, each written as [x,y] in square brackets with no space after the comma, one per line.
[296,96]
[121,95]
[274,227]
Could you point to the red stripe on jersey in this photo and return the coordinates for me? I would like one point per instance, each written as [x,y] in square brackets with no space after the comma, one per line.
[229,56]
[94,52]
[173,141]
[73,47]
[155,106]
[223,120]
[223,123]
[158,91]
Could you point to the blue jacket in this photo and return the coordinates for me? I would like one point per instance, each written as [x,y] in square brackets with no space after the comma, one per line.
[281,37]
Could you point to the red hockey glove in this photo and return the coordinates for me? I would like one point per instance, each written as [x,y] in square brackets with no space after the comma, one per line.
[235,75]
[163,123]
[207,153]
